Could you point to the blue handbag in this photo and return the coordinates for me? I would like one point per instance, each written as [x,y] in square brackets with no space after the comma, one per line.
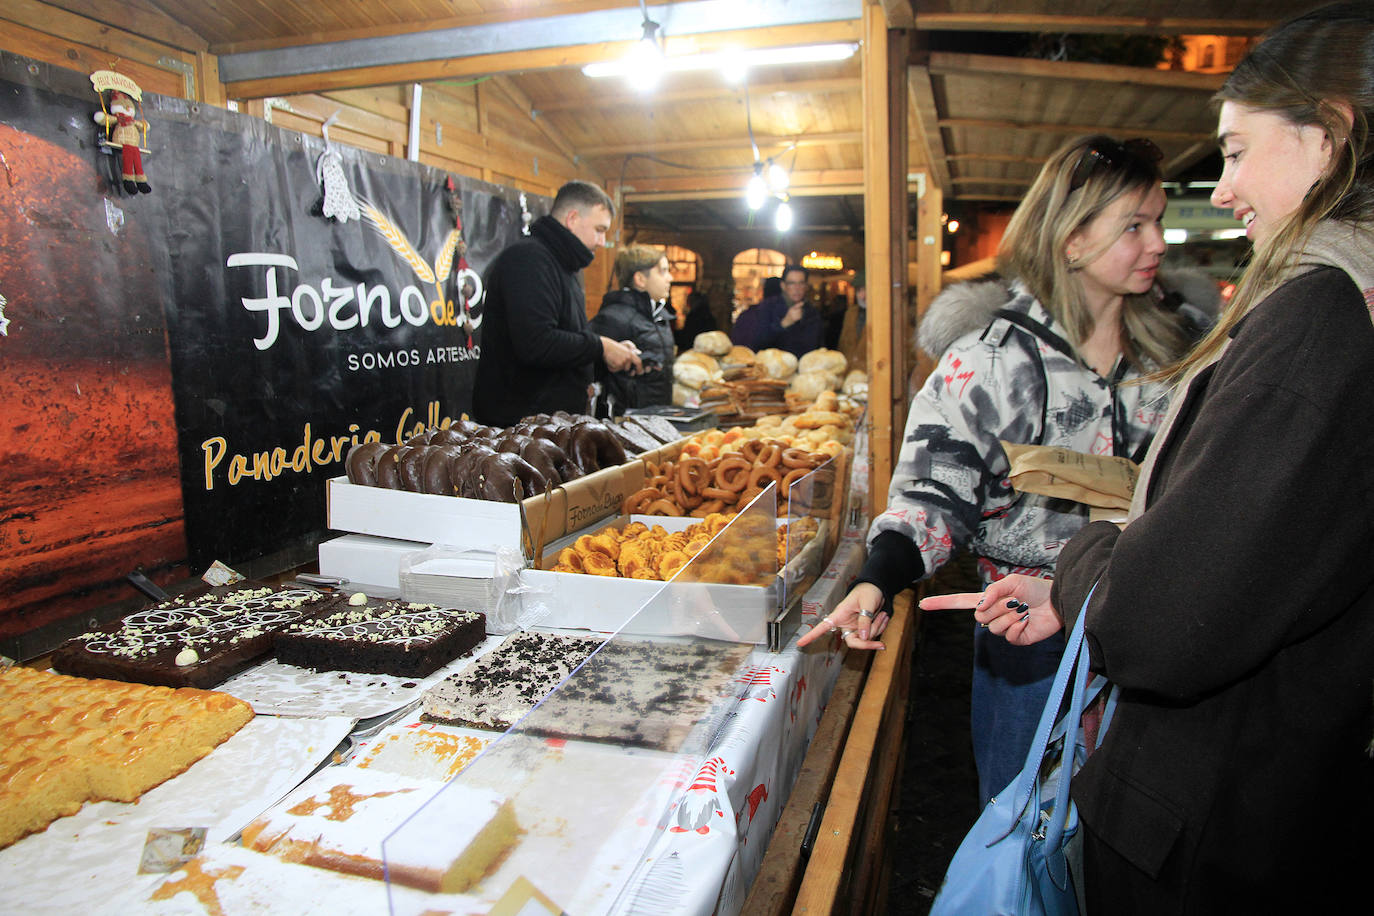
[1016,859]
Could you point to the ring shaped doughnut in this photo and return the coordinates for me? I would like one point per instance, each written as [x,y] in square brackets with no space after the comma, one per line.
[388,466]
[708,508]
[750,450]
[637,502]
[719,495]
[663,507]
[361,463]
[692,475]
[680,495]
[798,458]
[732,473]
[761,475]
[771,456]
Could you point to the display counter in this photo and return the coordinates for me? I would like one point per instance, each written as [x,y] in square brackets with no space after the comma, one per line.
[650,780]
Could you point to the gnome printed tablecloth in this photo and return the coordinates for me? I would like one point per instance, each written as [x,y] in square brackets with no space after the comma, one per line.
[713,838]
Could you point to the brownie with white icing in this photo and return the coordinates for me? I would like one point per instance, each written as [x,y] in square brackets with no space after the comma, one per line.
[197,641]
[495,691]
[375,636]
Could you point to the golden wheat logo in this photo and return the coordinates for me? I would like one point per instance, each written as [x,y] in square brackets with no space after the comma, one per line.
[398,242]
[443,311]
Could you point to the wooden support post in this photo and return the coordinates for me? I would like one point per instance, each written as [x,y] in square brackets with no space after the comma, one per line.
[929,243]
[208,87]
[877,245]
[843,874]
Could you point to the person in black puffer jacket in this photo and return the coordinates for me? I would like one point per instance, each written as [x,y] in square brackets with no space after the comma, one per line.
[638,312]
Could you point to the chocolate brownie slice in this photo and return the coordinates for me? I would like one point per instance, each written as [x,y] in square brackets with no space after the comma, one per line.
[375,636]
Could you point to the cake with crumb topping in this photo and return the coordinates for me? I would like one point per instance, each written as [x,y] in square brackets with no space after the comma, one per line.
[375,636]
[198,641]
[495,691]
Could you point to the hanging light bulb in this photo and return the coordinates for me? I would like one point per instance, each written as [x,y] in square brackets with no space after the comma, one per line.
[756,192]
[778,179]
[644,63]
[783,218]
[734,67]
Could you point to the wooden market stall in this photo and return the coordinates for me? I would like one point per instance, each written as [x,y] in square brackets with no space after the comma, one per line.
[492,94]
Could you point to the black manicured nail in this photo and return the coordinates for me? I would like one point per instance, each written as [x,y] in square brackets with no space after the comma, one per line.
[1022,606]
[1012,602]
[1023,617]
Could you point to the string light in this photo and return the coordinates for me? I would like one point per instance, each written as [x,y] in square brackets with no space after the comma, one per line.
[782,220]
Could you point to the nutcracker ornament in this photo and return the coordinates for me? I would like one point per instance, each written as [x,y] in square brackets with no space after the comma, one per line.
[124,129]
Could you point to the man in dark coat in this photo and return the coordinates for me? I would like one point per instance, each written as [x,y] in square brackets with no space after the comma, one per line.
[538,355]
[787,322]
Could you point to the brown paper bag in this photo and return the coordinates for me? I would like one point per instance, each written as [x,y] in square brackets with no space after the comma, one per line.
[1101,481]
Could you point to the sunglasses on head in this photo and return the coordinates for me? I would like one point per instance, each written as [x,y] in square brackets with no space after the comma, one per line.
[1113,154]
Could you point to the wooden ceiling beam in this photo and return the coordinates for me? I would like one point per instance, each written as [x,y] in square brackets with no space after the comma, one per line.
[856,188]
[659,98]
[952,64]
[711,143]
[522,101]
[819,183]
[494,17]
[996,157]
[1098,25]
[925,120]
[151,20]
[974,179]
[1189,157]
[1182,136]
[456,68]
[990,198]
[899,14]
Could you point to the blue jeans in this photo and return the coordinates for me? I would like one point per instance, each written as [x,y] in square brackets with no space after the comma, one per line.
[1011,685]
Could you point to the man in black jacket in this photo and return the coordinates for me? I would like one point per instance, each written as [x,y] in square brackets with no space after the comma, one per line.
[537,354]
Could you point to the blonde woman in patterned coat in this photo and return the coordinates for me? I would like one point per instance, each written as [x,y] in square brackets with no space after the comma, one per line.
[1083,317]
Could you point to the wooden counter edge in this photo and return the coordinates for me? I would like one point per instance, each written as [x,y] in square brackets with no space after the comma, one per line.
[852,767]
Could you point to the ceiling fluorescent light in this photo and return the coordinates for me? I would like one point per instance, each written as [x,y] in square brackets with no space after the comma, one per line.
[733,61]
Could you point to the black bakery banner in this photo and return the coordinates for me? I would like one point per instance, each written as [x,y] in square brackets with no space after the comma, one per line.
[290,336]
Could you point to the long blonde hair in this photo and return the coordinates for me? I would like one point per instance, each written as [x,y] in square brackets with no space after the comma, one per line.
[1307,70]
[1057,206]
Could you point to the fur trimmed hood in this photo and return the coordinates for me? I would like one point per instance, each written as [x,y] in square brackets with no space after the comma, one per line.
[968,307]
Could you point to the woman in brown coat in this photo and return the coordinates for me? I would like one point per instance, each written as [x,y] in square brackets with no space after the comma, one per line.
[1235,611]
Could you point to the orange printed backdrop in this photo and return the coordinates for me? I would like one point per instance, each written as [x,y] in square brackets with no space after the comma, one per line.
[89,478]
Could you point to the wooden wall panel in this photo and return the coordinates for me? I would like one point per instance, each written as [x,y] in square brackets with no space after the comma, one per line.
[53,35]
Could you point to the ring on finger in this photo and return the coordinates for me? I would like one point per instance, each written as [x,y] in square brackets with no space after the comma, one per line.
[868,614]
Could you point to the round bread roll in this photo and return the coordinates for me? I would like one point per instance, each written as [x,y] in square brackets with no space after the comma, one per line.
[856,382]
[810,385]
[715,343]
[690,374]
[683,396]
[823,360]
[738,356]
[776,363]
[696,357]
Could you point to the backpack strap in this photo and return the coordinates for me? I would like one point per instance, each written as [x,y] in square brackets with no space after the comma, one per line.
[1040,331]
